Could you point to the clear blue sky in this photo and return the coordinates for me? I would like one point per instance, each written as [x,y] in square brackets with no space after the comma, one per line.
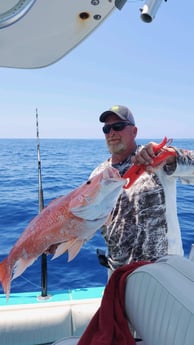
[148,67]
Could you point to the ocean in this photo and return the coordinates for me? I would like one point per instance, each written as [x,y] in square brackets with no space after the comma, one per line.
[65,164]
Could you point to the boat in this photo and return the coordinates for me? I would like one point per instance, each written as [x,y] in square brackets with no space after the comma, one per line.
[158,302]
[61,317]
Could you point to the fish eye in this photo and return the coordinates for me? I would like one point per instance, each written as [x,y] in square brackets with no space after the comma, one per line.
[88,182]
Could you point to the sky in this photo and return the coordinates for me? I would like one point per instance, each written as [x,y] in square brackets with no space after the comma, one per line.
[147,67]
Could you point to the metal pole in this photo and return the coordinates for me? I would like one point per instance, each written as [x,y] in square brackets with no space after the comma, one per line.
[41,206]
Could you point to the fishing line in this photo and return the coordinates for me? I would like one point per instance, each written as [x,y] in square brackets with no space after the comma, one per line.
[30,282]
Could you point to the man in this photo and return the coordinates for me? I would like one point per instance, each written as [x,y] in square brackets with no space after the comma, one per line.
[144,224]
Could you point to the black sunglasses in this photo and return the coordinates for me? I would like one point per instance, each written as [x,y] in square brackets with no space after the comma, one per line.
[118,126]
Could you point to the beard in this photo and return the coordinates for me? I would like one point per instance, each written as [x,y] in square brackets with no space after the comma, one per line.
[116,148]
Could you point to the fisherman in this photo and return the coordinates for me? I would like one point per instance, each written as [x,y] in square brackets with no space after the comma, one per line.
[144,224]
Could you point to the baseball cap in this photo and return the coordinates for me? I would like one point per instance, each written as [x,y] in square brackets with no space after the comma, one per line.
[121,111]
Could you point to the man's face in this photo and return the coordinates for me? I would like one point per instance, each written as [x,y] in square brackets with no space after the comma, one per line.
[119,141]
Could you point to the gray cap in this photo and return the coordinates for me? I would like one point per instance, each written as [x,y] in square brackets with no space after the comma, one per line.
[123,112]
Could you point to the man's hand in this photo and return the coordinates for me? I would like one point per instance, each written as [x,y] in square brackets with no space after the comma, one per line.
[146,155]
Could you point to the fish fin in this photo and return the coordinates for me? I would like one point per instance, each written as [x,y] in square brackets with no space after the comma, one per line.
[21,265]
[74,249]
[5,277]
[62,248]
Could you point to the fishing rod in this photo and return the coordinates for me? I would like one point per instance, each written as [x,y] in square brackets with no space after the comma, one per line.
[41,206]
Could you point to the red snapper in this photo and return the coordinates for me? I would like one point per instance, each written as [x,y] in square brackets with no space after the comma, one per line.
[64,225]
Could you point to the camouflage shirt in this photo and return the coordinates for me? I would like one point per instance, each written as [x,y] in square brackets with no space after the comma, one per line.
[144,224]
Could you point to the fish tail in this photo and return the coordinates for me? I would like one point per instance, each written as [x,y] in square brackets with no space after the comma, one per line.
[5,277]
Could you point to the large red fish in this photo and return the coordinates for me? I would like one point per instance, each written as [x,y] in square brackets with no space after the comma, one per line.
[65,224]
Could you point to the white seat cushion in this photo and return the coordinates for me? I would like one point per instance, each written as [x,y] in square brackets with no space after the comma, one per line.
[160,301]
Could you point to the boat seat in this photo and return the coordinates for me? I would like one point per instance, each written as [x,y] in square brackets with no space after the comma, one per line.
[159,301]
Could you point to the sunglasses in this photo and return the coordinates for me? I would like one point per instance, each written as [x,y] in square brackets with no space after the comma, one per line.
[118,126]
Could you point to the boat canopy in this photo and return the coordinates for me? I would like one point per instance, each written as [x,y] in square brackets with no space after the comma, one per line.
[35,34]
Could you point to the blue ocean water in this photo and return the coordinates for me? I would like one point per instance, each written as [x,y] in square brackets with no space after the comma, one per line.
[66,163]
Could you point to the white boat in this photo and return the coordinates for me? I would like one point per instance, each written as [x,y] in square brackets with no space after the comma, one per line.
[159,297]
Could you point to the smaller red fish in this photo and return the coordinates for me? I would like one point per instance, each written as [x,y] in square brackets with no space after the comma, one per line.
[133,173]
[64,225]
